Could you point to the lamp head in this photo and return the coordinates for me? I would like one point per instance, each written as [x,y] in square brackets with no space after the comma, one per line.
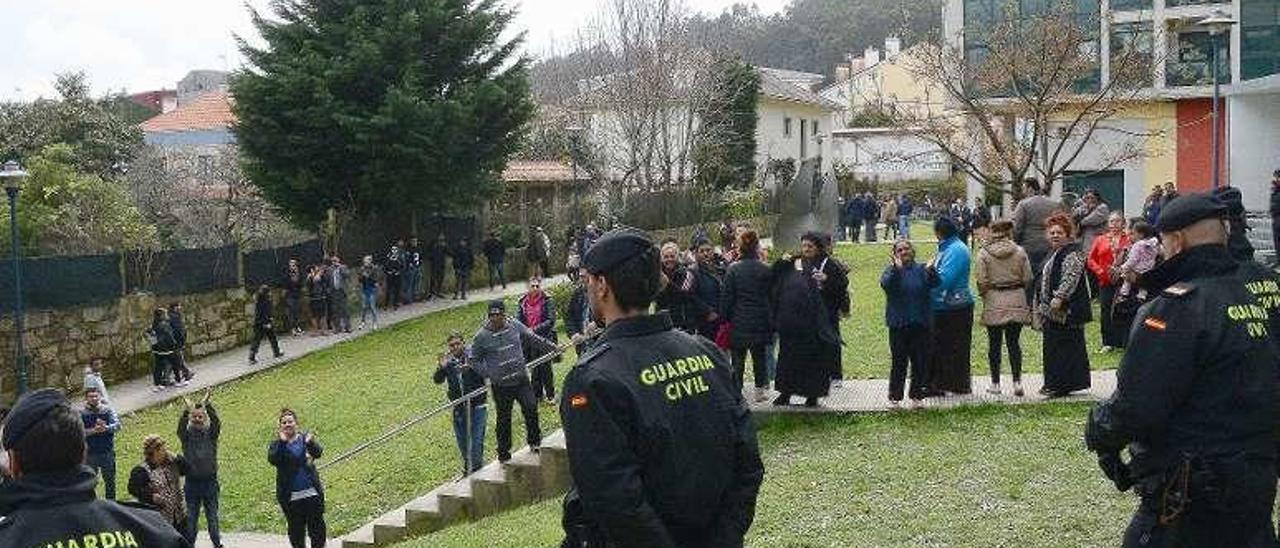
[11,176]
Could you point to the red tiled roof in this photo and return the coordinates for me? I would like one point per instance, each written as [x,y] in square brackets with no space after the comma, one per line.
[540,172]
[208,111]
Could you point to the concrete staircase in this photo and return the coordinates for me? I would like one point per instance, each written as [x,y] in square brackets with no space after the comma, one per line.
[497,487]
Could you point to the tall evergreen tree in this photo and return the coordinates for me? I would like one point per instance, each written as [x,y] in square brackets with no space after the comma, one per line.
[725,153]
[380,108]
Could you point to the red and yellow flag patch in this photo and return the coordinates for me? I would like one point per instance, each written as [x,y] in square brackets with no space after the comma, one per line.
[578,401]
[1156,324]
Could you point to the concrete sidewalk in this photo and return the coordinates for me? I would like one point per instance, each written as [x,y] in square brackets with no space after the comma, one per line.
[223,367]
[857,396]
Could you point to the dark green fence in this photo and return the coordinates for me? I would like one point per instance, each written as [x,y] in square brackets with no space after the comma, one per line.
[68,282]
[62,282]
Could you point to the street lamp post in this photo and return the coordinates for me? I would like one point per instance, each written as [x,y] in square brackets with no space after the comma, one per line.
[12,175]
[1219,24]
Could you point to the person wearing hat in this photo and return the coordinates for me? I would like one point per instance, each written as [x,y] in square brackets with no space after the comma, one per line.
[661,446]
[50,500]
[1195,402]
[497,352]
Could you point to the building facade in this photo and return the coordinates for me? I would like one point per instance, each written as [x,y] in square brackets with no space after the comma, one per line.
[867,90]
[1170,121]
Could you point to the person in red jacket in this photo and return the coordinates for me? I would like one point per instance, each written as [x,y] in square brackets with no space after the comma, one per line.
[1105,257]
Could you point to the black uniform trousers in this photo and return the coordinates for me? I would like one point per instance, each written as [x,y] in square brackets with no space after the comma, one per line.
[1239,516]
[504,397]
[544,381]
[305,518]
[908,344]
[259,332]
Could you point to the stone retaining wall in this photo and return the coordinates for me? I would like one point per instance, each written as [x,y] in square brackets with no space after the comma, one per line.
[61,342]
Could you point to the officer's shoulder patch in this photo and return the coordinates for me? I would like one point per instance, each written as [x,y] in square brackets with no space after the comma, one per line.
[1155,324]
[1180,289]
[594,352]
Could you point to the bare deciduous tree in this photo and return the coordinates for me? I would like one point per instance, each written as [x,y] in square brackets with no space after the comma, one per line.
[1027,96]
[204,200]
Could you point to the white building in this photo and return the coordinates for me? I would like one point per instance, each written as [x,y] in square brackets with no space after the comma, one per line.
[792,124]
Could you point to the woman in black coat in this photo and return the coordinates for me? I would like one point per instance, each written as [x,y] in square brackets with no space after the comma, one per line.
[811,293]
[298,488]
[744,303]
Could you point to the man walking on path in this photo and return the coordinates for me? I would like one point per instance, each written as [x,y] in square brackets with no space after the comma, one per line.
[498,355]
[854,210]
[100,427]
[198,430]
[464,259]
[181,373]
[262,325]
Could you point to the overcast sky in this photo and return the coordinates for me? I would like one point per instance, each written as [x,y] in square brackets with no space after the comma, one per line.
[140,45]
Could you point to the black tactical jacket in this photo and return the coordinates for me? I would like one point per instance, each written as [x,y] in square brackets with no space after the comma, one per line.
[1199,376]
[661,445]
[57,508]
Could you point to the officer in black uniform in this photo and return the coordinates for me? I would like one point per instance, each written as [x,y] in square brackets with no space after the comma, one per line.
[1261,281]
[51,500]
[661,445]
[1196,397]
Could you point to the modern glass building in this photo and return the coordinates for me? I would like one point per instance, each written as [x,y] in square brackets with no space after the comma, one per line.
[1171,118]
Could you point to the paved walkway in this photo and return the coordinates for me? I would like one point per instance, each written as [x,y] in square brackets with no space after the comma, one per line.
[873,395]
[224,367]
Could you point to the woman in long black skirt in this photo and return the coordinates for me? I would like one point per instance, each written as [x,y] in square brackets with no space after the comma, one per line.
[1062,304]
[811,294]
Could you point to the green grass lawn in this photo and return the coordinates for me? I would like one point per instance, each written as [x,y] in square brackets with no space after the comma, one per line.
[356,390]
[974,476]
[346,395]
[866,350]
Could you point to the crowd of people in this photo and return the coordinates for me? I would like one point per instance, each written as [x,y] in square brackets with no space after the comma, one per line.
[1042,267]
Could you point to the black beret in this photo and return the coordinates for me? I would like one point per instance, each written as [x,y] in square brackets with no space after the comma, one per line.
[1189,209]
[615,247]
[32,408]
[1232,198]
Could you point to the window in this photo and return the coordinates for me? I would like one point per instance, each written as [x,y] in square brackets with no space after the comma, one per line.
[1191,63]
[1259,38]
[786,127]
[1132,45]
[1177,3]
[815,128]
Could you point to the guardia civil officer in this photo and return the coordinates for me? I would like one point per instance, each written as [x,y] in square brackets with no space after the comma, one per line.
[661,445]
[51,500]
[1196,395]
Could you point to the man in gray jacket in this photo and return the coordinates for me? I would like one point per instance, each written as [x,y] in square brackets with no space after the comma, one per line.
[498,354]
[1028,227]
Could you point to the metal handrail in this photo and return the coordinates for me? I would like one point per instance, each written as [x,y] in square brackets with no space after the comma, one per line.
[528,367]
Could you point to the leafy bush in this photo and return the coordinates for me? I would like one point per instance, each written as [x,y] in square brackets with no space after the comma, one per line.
[560,294]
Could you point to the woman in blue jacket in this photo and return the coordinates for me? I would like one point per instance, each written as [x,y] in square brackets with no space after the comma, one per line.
[907,313]
[952,305]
